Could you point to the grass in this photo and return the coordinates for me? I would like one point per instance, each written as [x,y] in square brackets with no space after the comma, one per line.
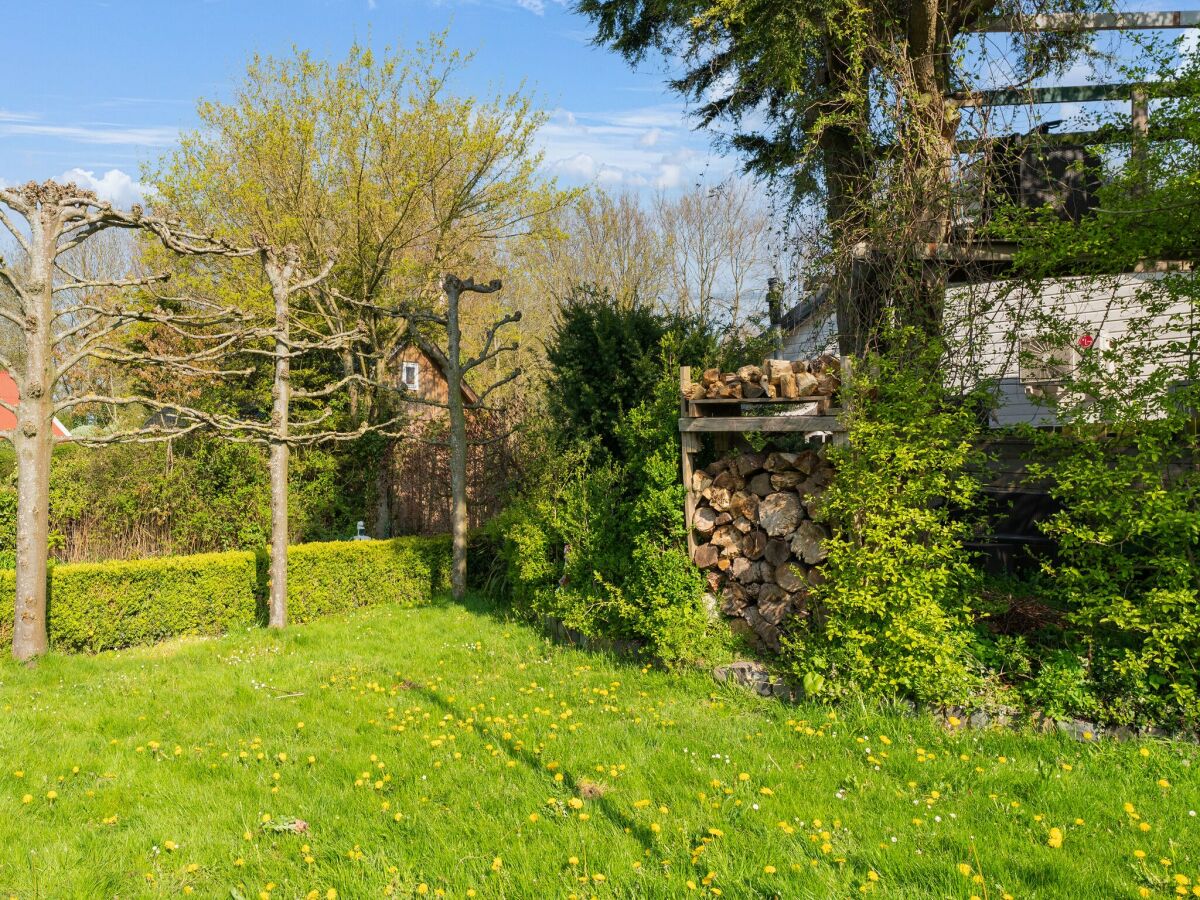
[445,749]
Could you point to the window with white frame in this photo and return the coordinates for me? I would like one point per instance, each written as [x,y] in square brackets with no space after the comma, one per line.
[410,374]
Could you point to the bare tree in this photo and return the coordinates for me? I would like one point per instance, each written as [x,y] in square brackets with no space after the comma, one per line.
[452,362]
[283,268]
[58,323]
[717,244]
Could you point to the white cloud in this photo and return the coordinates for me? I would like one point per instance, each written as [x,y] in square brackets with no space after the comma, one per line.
[114,185]
[537,7]
[650,146]
[581,165]
[91,134]
[7,115]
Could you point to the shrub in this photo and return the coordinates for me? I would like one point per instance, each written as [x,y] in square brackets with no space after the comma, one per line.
[106,606]
[341,575]
[604,357]
[598,539]
[893,614]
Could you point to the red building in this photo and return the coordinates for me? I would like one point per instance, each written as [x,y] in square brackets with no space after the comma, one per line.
[12,396]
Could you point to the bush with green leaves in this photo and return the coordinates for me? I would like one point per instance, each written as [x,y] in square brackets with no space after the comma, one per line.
[106,606]
[336,576]
[202,494]
[893,615]
[124,603]
[597,539]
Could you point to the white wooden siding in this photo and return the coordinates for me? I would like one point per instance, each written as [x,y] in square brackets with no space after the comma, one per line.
[986,322]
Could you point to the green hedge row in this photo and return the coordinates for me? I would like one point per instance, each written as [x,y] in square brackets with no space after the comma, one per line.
[330,578]
[106,606]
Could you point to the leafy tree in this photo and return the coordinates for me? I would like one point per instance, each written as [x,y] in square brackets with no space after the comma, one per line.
[374,159]
[856,105]
[603,356]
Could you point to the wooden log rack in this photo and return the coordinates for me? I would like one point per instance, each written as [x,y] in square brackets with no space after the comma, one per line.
[726,417]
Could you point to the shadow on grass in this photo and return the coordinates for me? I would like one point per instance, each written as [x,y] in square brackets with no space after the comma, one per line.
[530,761]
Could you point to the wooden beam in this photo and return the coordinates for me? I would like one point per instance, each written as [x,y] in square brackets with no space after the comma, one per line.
[1080,93]
[776,424]
[1131,21]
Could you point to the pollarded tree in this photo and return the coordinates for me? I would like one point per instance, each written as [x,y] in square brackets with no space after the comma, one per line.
[456,365]
[60,320]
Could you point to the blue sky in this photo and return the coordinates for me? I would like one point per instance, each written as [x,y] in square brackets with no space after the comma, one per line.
[136,68]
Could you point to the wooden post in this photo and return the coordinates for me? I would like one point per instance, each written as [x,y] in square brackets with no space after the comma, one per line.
[689,444]
[840,437]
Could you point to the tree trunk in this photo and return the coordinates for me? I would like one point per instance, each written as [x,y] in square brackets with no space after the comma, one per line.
[281,392]
[33,442]
[383,493]
[458,446]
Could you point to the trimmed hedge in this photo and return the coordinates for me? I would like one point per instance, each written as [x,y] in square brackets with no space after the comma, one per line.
[342,575]
[107,606]
[104,606]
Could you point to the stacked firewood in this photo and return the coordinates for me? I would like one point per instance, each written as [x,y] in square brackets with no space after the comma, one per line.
[756,538]
[775,378]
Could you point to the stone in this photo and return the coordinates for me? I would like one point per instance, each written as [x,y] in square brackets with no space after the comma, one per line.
[713,581]
[744,672]
[777,552]
[760,484]
[701,481]
[752,590]
[790,577]
[712,608]
[743,525]
[766,572]
[779,513]
[724,519]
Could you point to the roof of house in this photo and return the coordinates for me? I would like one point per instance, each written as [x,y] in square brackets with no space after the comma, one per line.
[11,394]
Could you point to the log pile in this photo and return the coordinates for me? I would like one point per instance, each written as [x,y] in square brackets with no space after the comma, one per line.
[774,379]
[756,538]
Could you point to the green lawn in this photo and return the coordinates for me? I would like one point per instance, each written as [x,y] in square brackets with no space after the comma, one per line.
[446,750]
